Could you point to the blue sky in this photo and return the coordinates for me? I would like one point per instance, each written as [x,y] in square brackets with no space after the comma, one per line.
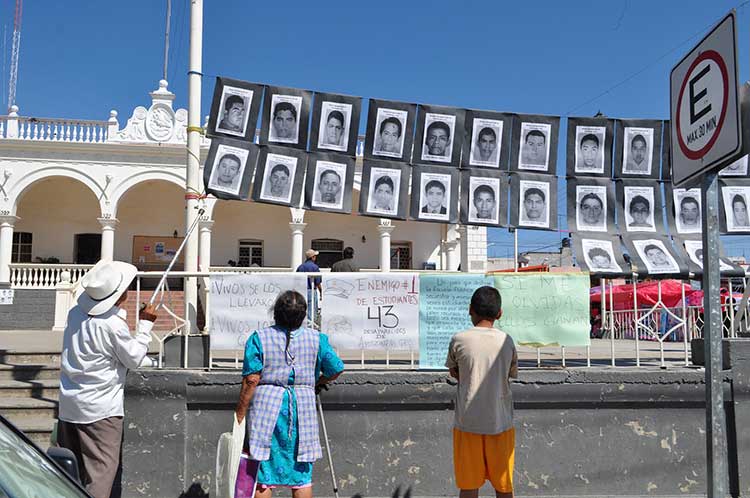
[81,59]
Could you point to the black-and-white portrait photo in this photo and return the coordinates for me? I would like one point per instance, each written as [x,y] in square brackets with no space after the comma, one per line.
[486,142]
[439,133]
[534,204]
[589,151]
[694,250]
[385,184]
[655,256]
[329,185]
[284,119]
[591,208]
[389,132]
[335,126]
[485,200]
[434,196]
[687,207]
[278,178]
[638,144]
[228,169]
[234,110]
[737,168]
[639,209]
[599,256]
[735,207]
[534,147]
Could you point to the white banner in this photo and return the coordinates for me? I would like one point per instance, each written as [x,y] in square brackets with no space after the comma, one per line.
[371,311]
[243,303]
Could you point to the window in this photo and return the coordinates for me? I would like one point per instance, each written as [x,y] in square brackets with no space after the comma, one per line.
[21,252]
[401,256]
[251,253]
[331,250]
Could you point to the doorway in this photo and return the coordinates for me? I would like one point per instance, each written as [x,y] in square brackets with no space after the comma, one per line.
[88,248]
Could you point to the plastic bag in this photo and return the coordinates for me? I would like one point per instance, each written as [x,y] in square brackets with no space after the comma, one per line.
[228,453]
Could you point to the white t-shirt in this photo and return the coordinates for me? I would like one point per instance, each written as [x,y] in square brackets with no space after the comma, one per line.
[96,355]
[485,359]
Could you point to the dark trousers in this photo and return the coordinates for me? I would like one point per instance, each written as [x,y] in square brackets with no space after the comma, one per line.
[97,447]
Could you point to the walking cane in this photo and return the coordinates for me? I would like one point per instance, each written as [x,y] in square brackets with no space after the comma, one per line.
[328,446]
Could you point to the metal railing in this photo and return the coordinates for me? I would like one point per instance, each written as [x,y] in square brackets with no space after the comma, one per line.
[654,336]
[44,276]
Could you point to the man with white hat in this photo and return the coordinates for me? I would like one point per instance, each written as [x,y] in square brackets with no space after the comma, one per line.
[98,349]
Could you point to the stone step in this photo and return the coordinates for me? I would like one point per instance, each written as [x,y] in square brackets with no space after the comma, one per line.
[28,372]
[11,357]
[18,409]
[41,389]
[38,429]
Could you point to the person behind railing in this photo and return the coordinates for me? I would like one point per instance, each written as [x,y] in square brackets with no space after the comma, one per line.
[347,264]
[314,289]
[98,349]
[284,365]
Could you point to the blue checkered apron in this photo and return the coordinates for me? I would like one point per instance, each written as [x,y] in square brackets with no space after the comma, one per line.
[264,410]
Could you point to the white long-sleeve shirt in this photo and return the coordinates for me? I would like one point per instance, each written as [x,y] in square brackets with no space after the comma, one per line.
[96,355]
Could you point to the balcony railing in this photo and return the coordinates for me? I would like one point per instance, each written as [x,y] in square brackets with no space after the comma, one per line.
[53,129]
[43,276]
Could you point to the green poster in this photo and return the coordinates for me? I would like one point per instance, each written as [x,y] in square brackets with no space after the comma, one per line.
[542,309]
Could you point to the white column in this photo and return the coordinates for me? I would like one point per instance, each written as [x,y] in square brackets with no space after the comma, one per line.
[11,126]
[192,177]
[204,253]
[384,229]
[298,239]
[463,236]
[108,238]
[451,255]
[7,223]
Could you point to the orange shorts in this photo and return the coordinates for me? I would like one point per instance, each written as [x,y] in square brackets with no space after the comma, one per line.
[478,457]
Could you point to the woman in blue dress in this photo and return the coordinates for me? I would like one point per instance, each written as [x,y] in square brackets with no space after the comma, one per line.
[283,365]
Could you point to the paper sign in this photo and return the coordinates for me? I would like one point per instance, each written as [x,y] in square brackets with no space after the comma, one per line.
[6,296]
[443,311]
[242,303]
[371,311]
[545,308]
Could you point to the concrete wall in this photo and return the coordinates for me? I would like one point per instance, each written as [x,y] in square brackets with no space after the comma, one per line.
[592,432]
[32,309]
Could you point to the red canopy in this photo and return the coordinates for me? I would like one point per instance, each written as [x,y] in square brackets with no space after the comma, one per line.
[648,294]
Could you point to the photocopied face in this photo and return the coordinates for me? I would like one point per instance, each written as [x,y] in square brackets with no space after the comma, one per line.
[438,137]
[234,110]
[334,126]
[687,204]
[389,132]
[285,111]
[599,256]
[485,200]
[639,209]
[591,208]
[534,204]
[278,177]
[655,256]
[534,146]
[329,184]
[694,249]
[384,191]
[434,196]
[735,208]
[227,169]
[486,142]
[590,149]
[637,147]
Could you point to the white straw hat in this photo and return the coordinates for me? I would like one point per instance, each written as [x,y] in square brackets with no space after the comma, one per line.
[104,284]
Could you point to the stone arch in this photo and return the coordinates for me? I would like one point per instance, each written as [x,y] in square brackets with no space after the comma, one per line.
[131,181]
[25,182]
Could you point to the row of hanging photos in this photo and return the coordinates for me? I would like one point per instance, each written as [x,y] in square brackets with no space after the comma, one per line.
[442,133]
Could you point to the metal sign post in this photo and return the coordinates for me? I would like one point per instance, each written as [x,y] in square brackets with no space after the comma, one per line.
[706,136]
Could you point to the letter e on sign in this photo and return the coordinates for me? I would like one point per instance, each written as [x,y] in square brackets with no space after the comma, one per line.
[704,105]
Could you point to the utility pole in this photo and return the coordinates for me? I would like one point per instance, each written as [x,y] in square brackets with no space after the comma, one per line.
[192,184]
